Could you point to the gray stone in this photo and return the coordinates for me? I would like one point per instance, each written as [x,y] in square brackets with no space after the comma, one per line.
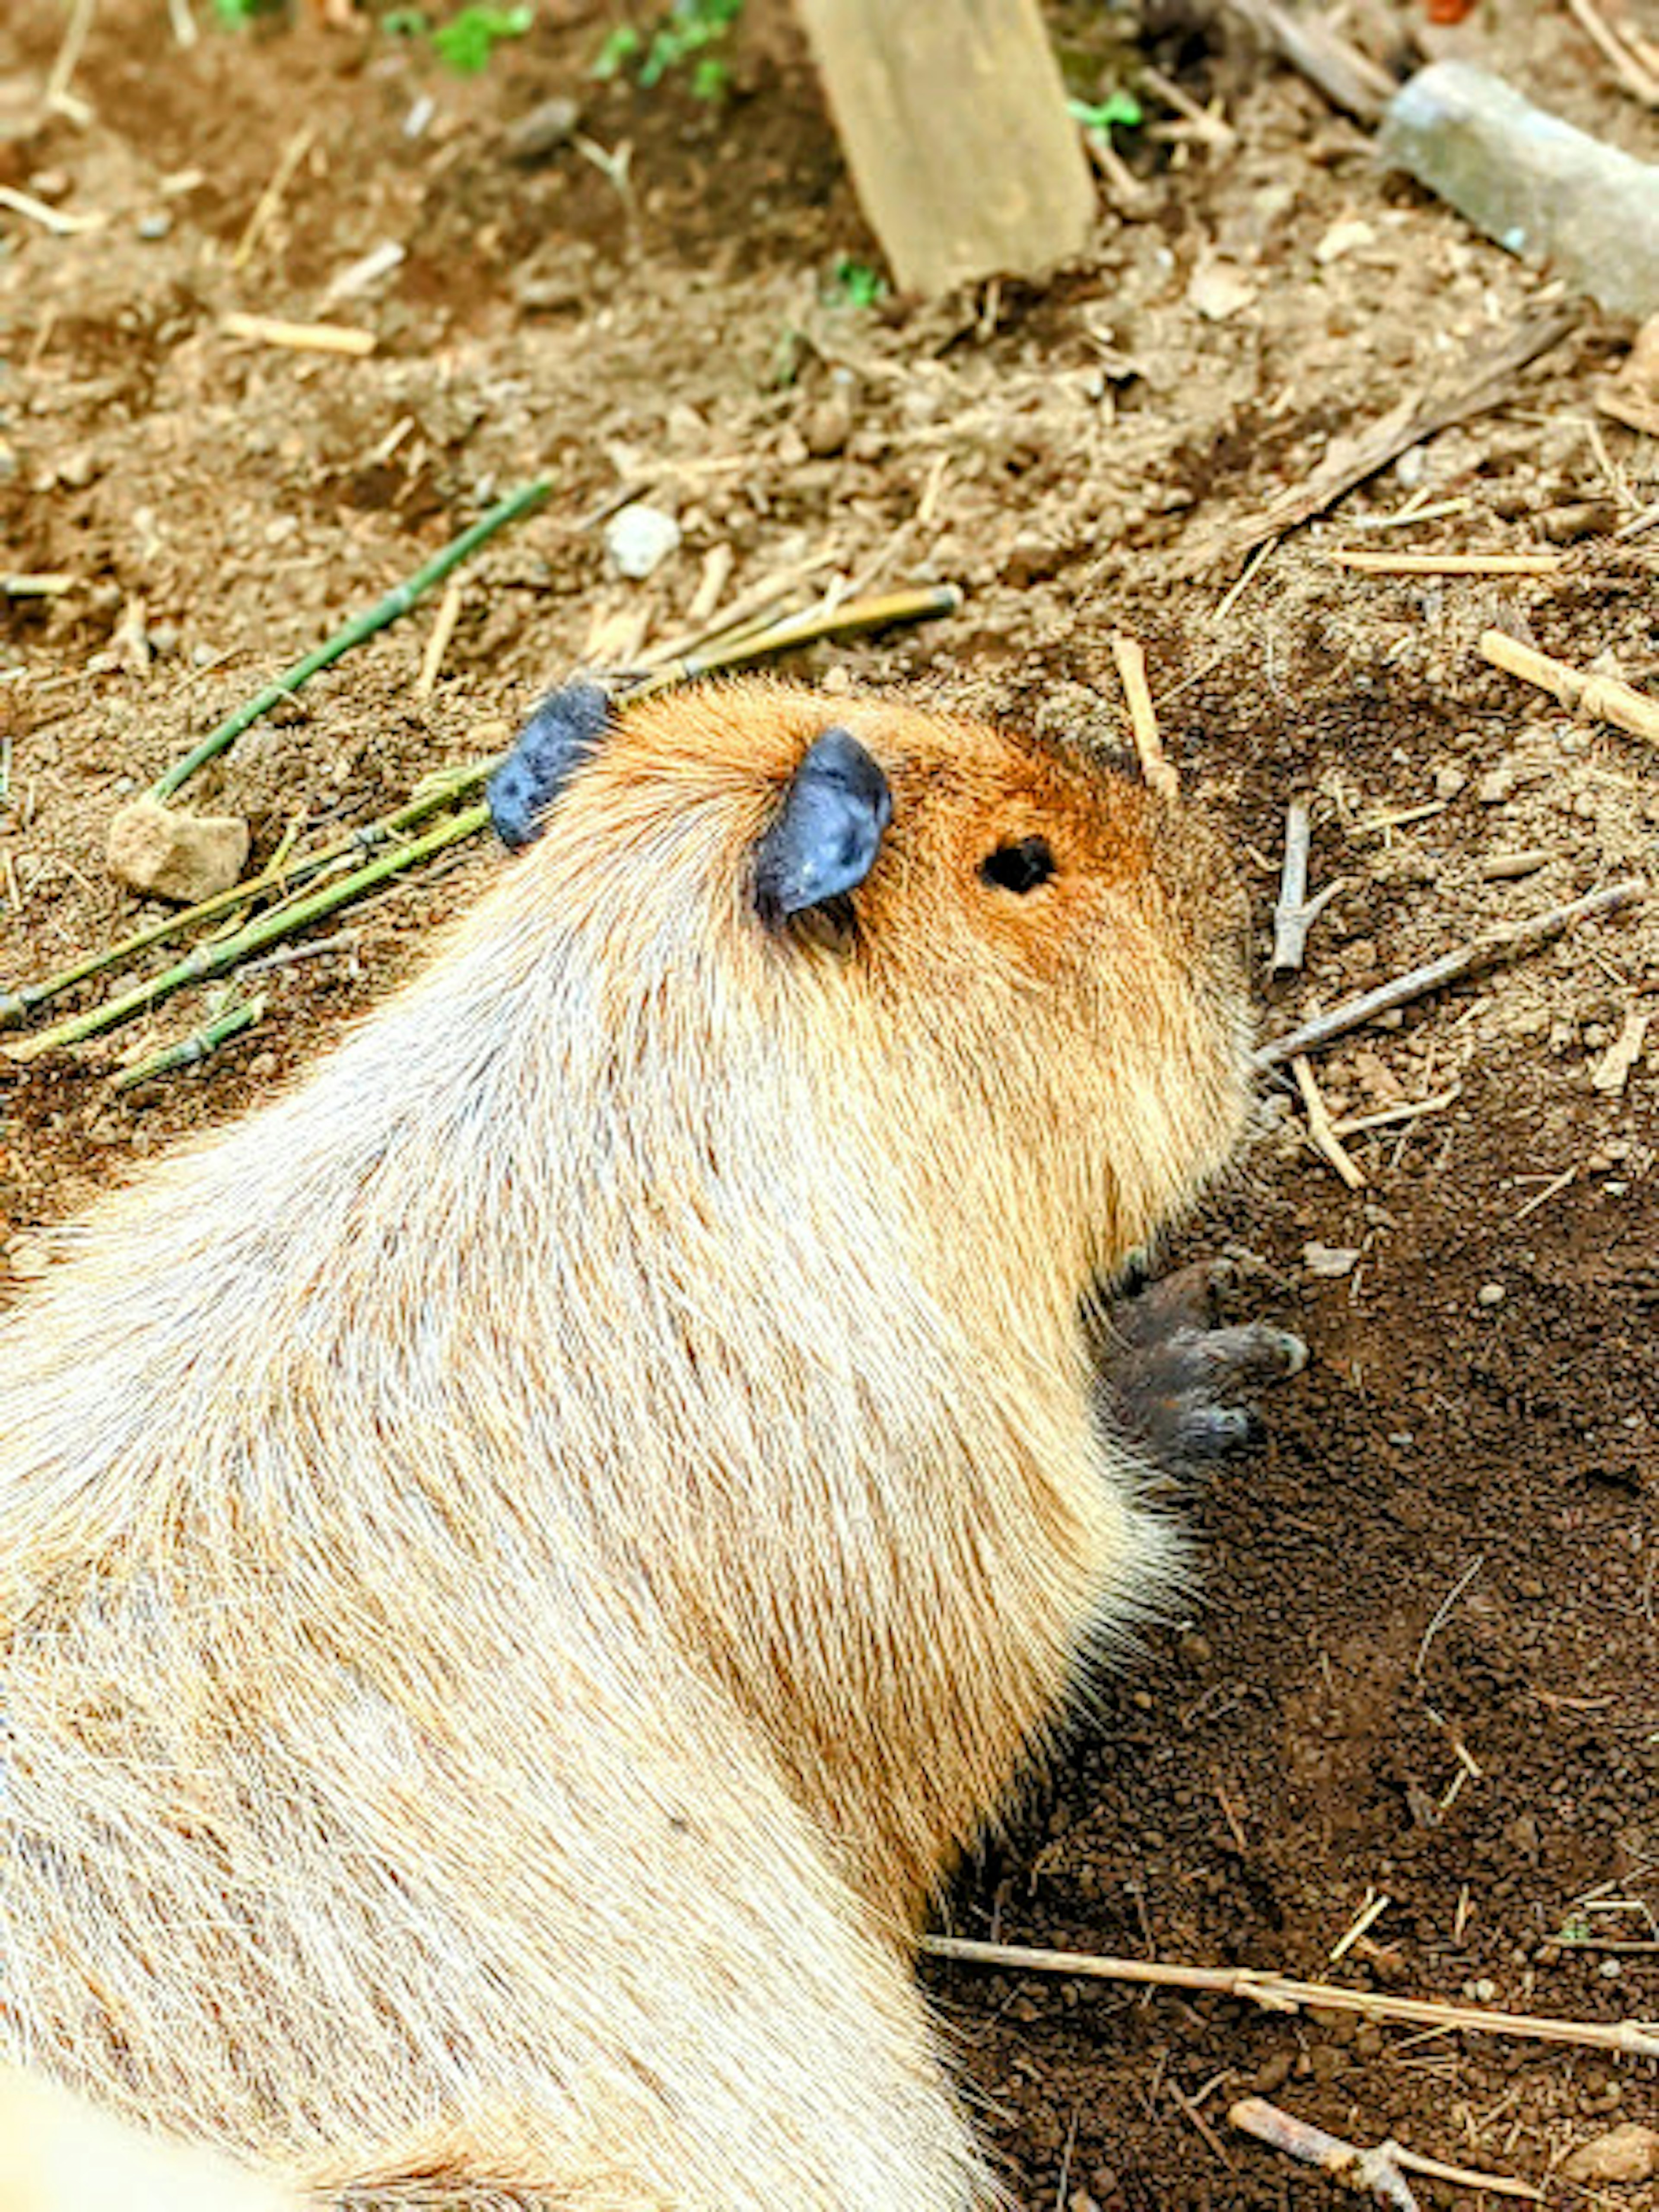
[1538,186]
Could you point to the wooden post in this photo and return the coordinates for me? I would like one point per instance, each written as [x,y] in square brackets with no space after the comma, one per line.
[952,116]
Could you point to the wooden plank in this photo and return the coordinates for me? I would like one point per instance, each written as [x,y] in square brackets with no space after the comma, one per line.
[952,116]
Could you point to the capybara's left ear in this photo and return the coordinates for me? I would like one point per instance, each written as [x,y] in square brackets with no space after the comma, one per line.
[563,731]
[827,833]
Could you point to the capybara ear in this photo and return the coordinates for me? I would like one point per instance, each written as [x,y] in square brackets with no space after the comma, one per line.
[825,839]
[564,729]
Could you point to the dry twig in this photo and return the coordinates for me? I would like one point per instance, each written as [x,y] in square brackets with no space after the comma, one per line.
[1507,943]
[1347,78]
[437,644]
[1321,1128]
[1349,461]
[1155,764]
[1373,2173]
[1595,698]
[1280,1993]
[1381,2171]
[1296,912]
[1637,80]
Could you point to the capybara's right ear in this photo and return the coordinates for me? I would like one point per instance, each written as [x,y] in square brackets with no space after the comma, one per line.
[825,839]
[563,731]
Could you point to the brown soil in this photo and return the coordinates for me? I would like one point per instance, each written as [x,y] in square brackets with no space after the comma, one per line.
[1422,1661]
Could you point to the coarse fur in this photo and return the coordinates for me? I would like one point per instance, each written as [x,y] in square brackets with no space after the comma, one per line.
[522,1562]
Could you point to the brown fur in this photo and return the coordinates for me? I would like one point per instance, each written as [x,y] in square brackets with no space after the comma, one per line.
[524,1560]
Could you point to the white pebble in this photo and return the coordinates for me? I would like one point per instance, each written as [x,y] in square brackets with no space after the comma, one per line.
[639,539]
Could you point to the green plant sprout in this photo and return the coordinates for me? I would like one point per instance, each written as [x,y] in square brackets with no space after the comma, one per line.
[686,35]
[465,43]
[855,283]
[1120,110]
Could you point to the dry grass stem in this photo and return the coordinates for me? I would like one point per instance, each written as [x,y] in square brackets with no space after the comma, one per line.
[1415,510]
[1594,698]
[1349,461]
[438,642]
[1447,564]
[1155,764]
[1409,1109]
[42,584]
[1510,942]
[1553,1188]
[59,220]
[299,337]
[68,59]
[271,198]
[1376,1904]
[1280,1993]
[1322,1129]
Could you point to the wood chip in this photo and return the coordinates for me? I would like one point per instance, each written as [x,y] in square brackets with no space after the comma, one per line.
[1449,564]
[1613,1070]
[299,337]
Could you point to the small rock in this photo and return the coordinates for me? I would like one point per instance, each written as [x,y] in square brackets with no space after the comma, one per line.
[828,426]
[543,132]
[170,856]
[76,470]
[1491,1294]
[1630,2152]
[639,539]
[1577,518]
[154,227]
[1449,781]
[1218,289]
[1343,238]
[1273,2072]
[1496,785]
[1329,1259]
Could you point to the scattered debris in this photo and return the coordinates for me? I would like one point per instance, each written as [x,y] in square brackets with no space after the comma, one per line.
[1508,943]
[1613,1071]
[1320,1129]
[549,124]
[1374,2173]
[1536,185]
[1330,1261]
[166,853]
[1594,698]
[1349,460]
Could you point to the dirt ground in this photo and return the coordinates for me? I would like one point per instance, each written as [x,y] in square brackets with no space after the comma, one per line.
[1422,1664]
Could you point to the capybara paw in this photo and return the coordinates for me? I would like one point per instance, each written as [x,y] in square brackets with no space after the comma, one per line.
[1169,1374]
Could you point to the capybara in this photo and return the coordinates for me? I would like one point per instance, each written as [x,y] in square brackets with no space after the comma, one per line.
[523,1561]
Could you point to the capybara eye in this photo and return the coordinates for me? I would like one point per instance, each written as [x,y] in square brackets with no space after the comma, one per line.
[1019,867]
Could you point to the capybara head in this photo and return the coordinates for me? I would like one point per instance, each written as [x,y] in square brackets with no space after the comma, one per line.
[1022,964]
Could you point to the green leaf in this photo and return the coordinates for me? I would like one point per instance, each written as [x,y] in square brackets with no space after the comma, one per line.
[855,284]
[620,46]
[1119,109]
[466,41]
